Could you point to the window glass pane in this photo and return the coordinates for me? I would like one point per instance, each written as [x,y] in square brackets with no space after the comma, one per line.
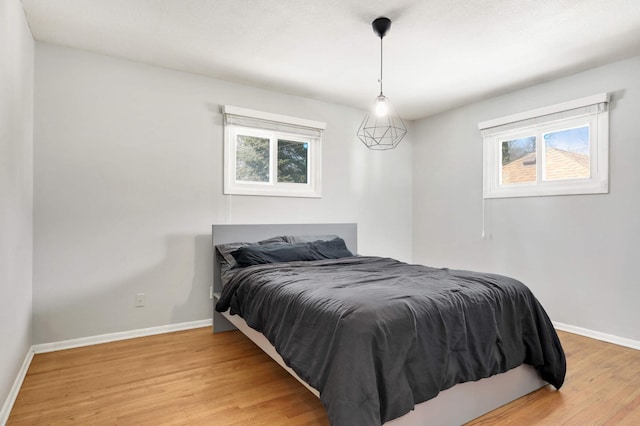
[292,161]
[252,159]
[566,154]
[518,161]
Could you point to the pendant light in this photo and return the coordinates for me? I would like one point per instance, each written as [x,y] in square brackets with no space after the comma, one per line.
[381,128]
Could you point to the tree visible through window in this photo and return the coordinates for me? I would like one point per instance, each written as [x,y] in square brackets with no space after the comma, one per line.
[292,161]
[519,161]
[270,154]
[252,159]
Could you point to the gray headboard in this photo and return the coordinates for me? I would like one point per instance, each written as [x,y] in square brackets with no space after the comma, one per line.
[222,234]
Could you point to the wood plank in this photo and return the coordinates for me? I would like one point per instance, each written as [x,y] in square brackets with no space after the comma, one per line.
[196,377]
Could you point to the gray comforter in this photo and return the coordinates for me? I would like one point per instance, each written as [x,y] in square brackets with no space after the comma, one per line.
[376,336]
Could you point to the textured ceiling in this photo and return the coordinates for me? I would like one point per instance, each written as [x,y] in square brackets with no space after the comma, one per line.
[438,54]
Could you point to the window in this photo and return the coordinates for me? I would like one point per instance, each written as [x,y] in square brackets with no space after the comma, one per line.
[271,154]
[556,150]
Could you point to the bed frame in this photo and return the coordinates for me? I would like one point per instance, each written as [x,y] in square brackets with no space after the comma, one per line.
[454,406]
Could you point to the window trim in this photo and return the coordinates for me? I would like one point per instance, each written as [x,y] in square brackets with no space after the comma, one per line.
[272,126]
[592,111]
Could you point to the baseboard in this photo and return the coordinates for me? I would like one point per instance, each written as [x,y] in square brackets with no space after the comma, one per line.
[610,338]
[113,337]
[17,384]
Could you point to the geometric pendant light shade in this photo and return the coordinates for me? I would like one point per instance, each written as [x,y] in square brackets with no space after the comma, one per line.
[381,128]
[382,132]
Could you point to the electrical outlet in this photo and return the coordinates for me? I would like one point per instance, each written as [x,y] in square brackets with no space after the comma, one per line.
[211,292]
[140,300]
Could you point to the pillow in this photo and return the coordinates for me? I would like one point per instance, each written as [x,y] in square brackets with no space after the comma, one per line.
[275,253]
[225,250]
[293,239]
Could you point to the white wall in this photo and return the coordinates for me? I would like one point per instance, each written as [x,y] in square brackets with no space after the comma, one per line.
[579,254]
[16,191]
[128,180]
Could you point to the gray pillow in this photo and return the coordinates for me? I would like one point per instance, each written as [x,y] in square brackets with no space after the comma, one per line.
[294,239]
[276,253]
[226,249]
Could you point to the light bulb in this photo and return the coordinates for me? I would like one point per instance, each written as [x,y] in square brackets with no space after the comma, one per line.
[382,106]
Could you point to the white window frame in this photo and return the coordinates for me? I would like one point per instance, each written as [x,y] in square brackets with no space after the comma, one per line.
[243,121]
[591,111]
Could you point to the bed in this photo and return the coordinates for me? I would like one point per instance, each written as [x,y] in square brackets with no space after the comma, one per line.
[391,360]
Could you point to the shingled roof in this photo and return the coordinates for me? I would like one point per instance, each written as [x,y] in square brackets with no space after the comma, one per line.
[560,165]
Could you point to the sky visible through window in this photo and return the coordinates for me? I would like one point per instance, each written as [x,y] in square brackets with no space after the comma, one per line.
[572,140]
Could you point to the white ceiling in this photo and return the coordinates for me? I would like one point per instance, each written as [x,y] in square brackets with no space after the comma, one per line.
[438,54]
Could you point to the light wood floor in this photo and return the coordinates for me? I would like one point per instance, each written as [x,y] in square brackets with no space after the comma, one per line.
[198,378]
